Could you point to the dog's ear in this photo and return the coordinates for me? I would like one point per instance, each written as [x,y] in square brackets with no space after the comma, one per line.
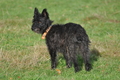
[36,13]
[45,13]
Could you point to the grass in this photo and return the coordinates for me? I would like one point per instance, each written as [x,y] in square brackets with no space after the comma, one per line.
[24,56]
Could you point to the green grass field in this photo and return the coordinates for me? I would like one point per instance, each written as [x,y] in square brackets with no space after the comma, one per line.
[24,55]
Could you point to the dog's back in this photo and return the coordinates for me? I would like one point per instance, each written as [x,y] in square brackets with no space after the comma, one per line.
[67,33]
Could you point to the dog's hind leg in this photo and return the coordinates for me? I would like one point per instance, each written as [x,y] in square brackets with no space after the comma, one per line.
[86,55]
[67,57]
[74,57]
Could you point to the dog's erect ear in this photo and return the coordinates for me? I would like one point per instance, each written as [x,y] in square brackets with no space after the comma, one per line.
[36,12]
[45,13]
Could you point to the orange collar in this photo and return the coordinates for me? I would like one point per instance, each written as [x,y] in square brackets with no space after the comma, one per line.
[45,33]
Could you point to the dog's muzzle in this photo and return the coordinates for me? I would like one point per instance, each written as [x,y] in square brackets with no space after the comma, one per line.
[37,30]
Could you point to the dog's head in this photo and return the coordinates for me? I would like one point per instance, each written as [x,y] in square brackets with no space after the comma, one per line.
[41,21]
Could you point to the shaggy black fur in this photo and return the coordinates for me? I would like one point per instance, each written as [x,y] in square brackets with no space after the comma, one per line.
[70,39]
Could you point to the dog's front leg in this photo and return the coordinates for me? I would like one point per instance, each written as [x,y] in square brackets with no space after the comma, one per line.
[53,58]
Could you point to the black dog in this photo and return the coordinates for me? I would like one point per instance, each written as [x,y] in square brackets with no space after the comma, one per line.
[70,39]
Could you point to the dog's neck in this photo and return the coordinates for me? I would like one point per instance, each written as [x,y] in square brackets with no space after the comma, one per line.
[45,33]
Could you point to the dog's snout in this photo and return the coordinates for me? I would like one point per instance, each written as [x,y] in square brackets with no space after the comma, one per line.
[32,29]
[37,30]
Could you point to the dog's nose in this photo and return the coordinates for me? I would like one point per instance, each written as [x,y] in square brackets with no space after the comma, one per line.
[32,29]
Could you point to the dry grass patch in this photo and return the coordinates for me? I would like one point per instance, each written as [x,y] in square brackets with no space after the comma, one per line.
[20,59]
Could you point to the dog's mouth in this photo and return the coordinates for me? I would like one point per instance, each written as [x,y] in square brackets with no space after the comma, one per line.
[37,30]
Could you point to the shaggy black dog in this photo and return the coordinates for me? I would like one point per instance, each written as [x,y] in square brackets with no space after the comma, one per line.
[70,39]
